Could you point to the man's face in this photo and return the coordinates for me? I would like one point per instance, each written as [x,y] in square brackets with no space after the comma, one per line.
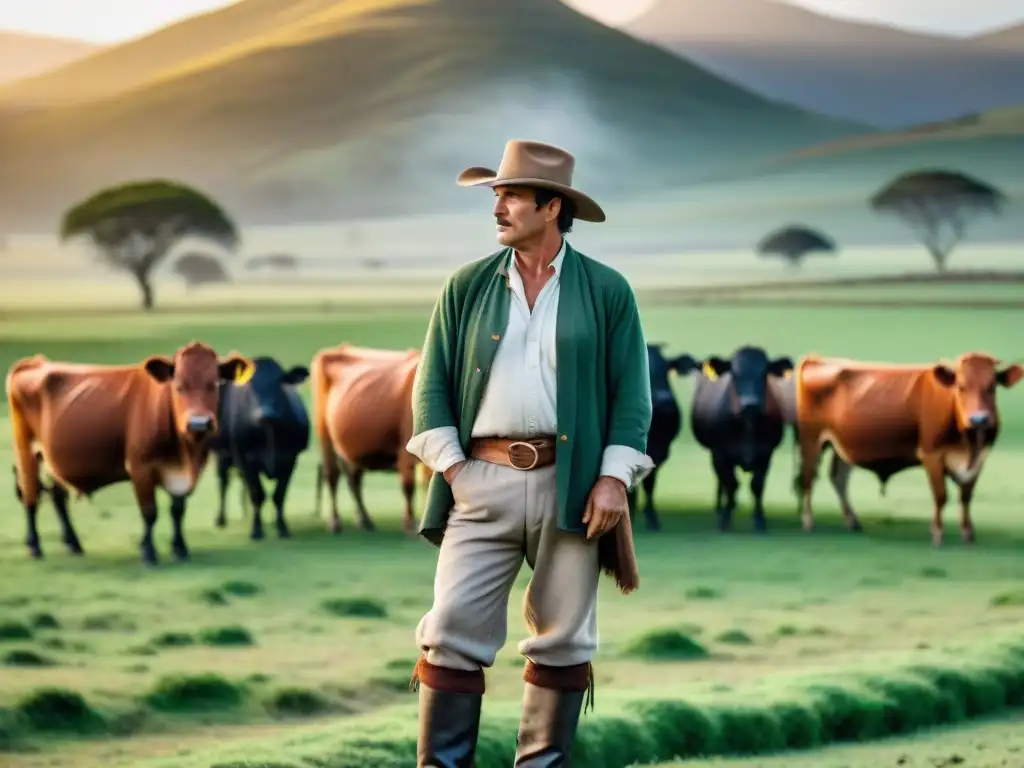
[518,219]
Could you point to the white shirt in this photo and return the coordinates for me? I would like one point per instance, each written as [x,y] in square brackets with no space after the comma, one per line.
[519,400]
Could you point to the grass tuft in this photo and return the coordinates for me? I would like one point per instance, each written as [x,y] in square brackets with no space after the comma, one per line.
[703,593]
[664,645]
[25,657]
[241,588]
[228,636]
[44,621]
[355,607]
[108,622]
[1014,599]
[173,640]
[734,637]
[57,710]
[297,702]
[184,693]
[14,630]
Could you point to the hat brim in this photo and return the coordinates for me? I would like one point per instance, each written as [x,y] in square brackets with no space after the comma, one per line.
[586,208]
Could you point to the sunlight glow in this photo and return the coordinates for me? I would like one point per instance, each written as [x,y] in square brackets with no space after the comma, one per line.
[611,11]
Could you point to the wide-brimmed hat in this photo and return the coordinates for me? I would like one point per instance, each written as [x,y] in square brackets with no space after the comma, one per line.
[535,164]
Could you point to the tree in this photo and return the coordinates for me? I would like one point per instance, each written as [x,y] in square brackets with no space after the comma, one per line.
[200,269]
[938,205]
[794,242]
[135,225]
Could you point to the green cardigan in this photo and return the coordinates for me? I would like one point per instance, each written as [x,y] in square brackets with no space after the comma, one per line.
[603,383]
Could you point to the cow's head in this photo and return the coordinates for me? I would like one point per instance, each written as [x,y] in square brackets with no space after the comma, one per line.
[194,374]
[974,379]
[268,388]
[659,367]
[750,369]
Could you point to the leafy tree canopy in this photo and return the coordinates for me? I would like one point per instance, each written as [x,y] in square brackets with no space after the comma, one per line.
[135,225]
[794,242]
[938,205]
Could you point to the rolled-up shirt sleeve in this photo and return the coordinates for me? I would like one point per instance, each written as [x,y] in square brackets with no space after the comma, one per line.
[437,448]
[626,464]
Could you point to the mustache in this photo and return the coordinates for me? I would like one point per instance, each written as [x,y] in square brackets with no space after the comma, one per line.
[504,222]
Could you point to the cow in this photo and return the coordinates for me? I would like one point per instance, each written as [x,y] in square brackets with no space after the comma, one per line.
[263,429]
[666,421]
[887,418]
[362,414]
[96,425]
[736,414]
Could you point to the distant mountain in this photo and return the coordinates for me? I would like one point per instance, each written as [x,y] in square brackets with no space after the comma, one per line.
[1006,39]
[370,109]
[865,72]
[133,63]
[24,55]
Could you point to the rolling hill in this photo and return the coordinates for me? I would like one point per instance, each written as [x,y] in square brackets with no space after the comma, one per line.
[869,73]
[1007,39]
[370,108]
[23,55]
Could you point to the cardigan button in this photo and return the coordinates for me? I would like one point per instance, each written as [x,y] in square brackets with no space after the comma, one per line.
[495,336]
[478,370]
[564,437]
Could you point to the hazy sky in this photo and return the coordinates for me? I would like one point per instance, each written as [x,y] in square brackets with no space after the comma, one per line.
[112,20]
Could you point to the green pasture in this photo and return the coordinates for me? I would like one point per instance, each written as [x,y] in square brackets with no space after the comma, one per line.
[298,652]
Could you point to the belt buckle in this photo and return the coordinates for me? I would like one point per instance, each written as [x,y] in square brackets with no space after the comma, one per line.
[531,446]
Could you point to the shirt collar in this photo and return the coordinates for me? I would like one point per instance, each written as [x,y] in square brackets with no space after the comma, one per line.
[556,263]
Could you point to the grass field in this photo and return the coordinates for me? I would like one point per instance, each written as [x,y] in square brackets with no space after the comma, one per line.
[298,653]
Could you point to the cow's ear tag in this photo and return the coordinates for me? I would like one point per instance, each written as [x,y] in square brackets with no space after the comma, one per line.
[244,375]
[708,371]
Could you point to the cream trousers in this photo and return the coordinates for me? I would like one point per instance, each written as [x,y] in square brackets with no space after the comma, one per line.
[501,516]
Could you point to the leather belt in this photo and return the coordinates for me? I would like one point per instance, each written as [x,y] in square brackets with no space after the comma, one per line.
[534,453]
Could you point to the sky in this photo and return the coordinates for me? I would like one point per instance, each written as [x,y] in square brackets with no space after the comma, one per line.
[107,21]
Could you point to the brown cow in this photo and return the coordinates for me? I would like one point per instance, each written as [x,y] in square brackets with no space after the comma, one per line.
[887,418]
[362,413]
[96,425]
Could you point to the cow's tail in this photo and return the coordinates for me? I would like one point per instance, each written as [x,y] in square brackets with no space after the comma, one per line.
[26,465]
[318,492]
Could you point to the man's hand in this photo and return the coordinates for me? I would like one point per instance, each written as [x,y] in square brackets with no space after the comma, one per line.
[452,472]
[606,505]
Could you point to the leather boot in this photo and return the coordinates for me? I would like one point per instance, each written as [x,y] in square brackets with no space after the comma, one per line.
[552,700]
[449,715]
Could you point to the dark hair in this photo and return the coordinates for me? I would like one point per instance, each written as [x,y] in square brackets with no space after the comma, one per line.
[566,213]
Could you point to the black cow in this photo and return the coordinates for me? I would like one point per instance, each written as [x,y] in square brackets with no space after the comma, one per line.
[666,421]
[738,415]
[263,429]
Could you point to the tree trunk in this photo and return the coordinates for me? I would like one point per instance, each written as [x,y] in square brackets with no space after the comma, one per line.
[939,256]
[146,288]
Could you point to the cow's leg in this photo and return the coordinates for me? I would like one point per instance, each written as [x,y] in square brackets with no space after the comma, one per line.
[27,491]
[407,476]
[284,478]
[725,471]
[839,474]
[145,494]
[178,546]
[332,465]
[810,456]
[758,479]
[936,472]
[223,480]
[253,484]
[354,476]
[60,497]
[650,516]
[966,524]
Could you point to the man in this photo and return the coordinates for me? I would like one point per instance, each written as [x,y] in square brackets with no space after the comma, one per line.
[531,405]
